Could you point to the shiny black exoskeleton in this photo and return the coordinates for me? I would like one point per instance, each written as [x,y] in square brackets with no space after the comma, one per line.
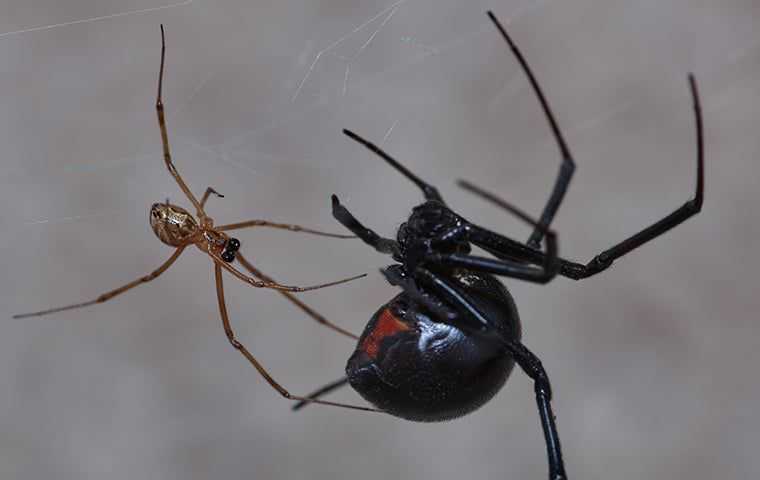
[230,248]
[413,366]
[448,342]
[410,364]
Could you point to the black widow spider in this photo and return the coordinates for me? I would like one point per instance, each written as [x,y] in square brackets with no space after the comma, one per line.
[446,344]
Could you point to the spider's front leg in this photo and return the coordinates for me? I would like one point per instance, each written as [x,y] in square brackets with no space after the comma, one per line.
[567,167]
[208,193]
[381,244]
[428,191]
[165,136]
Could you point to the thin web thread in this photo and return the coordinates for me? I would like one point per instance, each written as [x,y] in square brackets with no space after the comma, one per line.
[95,19]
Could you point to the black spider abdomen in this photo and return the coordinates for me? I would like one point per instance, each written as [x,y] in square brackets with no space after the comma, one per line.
[411,366]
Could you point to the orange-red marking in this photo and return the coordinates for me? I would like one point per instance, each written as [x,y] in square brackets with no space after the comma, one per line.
[387,324]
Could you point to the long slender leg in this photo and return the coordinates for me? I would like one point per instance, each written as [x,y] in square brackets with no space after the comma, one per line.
[509,268]
[282,226]
[532,366]
[566,168]
[496,244]
[430,192]
[305,308]
[687,210]
[109,295]
[504,247]
[470,318]
[208,192]
[381,244]
[273,285]
[395,275]
[260,368]
[499,245]
[472,188]
[165,136]
[330,387]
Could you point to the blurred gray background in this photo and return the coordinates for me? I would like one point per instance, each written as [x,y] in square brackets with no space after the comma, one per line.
[654,362]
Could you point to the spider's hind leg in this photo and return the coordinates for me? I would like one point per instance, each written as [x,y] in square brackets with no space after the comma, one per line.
[229,332]
[165,136]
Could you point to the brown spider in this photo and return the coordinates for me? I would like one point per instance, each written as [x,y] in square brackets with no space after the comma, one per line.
[177,227]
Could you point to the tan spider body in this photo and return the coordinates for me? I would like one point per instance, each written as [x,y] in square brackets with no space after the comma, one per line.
[173,225]
[178,228]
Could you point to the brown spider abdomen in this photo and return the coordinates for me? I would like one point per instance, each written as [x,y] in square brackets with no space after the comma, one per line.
[173,225]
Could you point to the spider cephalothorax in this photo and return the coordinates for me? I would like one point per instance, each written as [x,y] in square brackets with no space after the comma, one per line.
[421,235]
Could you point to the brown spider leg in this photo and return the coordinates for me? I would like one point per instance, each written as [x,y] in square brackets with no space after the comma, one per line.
[322,391]
[165,136]
[273,285]
[260,368]
[283,226]
[305,308]
[109,295]
[208,192]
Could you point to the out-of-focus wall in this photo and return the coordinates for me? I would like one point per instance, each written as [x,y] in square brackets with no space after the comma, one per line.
[653,363]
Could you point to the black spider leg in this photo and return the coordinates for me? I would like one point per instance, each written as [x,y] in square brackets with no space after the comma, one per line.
[566,168]
[504,247]
[498,245]
[514,254]
[381,244]
[396,276]
[316,394]
[532,366]
[548,269]
[513,257]
[692,207]
[429,191]
[472,319]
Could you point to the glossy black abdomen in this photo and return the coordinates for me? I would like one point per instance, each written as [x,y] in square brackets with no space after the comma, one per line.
[414,367]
